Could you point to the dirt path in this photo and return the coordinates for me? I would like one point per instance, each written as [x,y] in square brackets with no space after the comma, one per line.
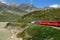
[14,33]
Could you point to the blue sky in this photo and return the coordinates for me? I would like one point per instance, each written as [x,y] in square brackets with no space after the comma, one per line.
[37,3]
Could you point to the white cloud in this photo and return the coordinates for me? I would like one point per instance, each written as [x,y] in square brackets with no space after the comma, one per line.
[55,6]
[3,1]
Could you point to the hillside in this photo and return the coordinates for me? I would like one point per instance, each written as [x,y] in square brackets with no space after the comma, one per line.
[52,14]
[6,16]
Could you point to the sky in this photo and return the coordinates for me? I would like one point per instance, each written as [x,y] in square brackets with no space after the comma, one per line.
[37,3]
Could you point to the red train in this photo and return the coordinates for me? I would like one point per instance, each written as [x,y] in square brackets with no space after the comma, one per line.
[53,23]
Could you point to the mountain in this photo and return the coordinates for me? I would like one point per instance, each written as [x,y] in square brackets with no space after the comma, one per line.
[18,8]
[27,6]
[12,12]
[23,7]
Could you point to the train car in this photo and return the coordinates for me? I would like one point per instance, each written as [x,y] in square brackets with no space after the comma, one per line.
[54,23]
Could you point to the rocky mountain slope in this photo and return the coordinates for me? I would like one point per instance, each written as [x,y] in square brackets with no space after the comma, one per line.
[12,12]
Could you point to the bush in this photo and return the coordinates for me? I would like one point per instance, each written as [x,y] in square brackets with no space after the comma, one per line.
[43,33]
